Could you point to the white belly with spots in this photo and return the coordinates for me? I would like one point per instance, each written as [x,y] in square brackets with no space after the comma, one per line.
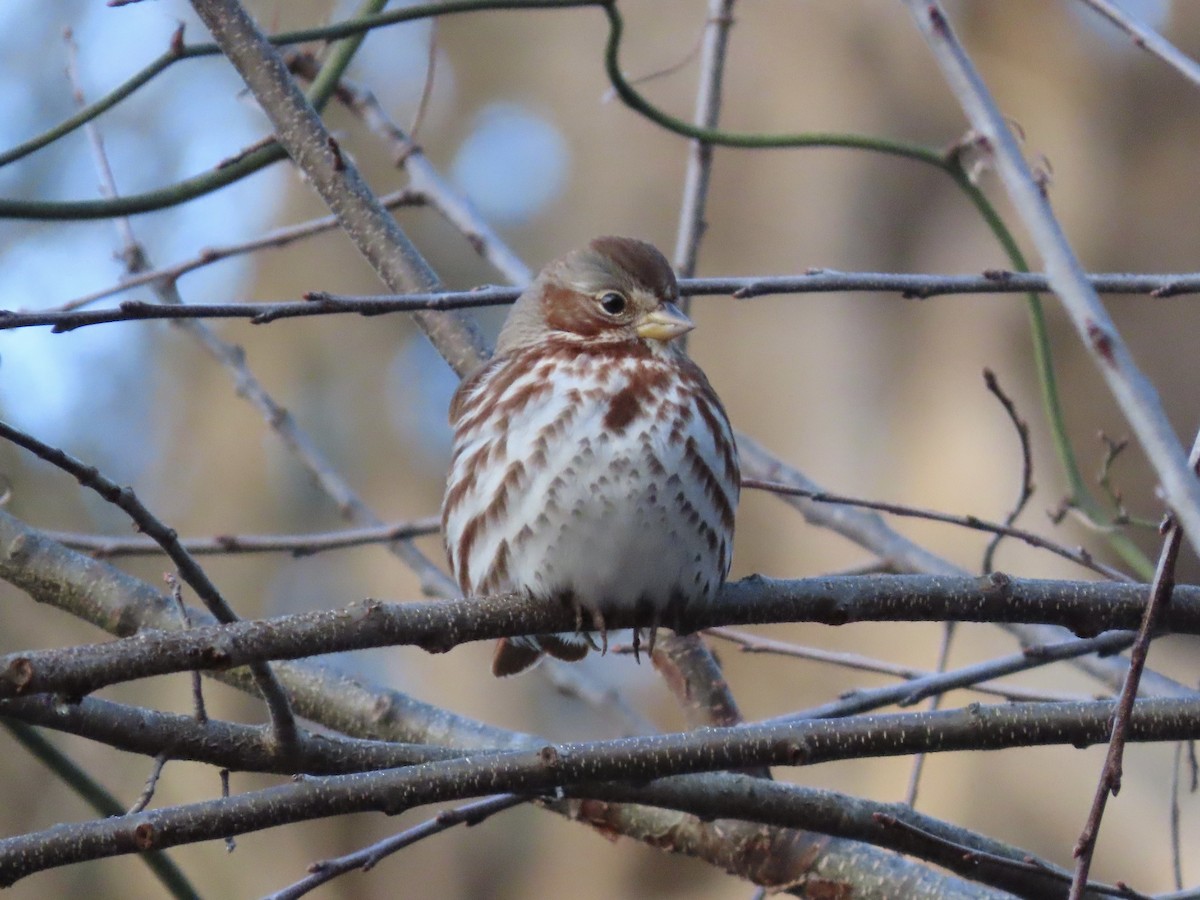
[584,498]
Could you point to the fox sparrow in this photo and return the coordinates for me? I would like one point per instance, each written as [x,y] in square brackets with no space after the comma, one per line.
[593,463]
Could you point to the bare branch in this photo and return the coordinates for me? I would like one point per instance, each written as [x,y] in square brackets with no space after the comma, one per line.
[1026,489]
[278,238]
[1134,393]
[395,790]
[321,303]
[1148,39]
[436,626]
[334,176]
[1080,557]
[753,643]
[190,571]
[708,109]
[367,858]
[107,546]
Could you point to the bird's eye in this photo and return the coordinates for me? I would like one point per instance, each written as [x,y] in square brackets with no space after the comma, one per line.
[612,303]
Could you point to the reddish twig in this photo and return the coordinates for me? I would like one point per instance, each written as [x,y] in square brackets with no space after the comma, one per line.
[1029,864]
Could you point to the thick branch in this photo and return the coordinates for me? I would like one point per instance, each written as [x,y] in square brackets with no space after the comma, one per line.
[550,766]
[334,176]
[229,745]
[1087,608]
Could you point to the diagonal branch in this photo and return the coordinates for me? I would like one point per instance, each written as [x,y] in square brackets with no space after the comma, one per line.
[1148,39]
[189,570]
[1161,592]
[1134,393]
[334,176]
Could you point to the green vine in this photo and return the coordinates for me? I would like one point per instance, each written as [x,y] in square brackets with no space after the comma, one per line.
[357,27]
[950,164]
[100,800]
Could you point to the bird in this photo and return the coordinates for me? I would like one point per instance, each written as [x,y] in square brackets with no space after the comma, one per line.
[593,464]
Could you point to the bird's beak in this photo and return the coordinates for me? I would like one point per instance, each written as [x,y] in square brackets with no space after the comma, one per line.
[664,324]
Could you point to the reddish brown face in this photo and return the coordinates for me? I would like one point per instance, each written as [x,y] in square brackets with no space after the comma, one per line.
[614,290]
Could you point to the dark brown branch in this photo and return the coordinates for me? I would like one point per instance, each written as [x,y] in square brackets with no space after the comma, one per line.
[367,858]
[818,281]
[393,791]
[1085,607]
[227,745]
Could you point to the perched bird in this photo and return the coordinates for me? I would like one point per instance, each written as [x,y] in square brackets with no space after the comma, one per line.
[593,463]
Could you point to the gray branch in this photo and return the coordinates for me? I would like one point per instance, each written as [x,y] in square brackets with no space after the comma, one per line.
[1133,391]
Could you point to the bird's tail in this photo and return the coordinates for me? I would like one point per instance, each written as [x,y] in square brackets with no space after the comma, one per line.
[514,655]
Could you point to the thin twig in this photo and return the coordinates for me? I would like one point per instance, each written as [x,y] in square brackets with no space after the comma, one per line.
[451,205]
[918,763]
[753,643]
[1080,557]
[669,69]
[298,545]
[199,710]
[1173,818]
[368,857]
[230,843]
[147,793]
[917,689]
[274,239]
[699,168]
[1026,490]
[190,571]
[418,118]
[1110,775]
[578,683]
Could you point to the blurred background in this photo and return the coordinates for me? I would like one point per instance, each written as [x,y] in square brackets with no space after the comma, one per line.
[870,395]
